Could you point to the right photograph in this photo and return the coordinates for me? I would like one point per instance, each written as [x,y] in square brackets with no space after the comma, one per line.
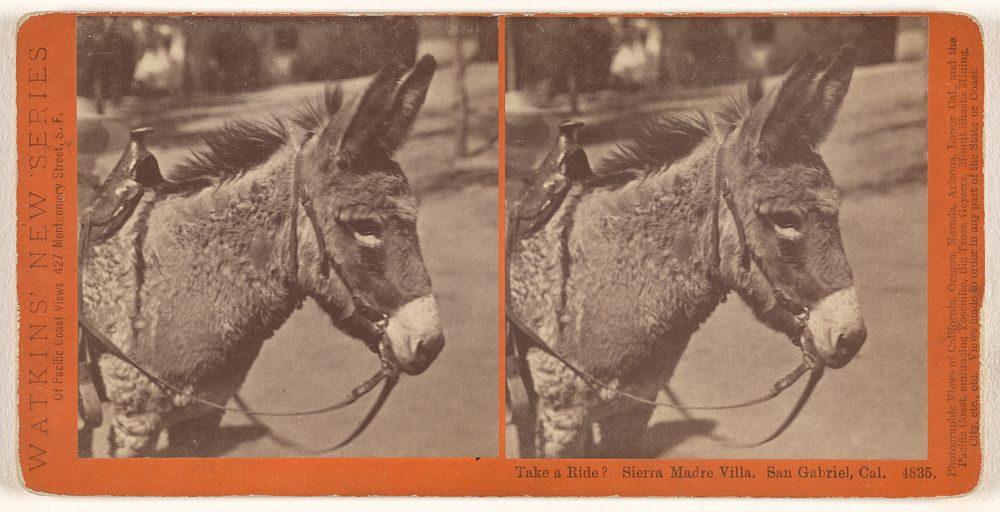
[716,240]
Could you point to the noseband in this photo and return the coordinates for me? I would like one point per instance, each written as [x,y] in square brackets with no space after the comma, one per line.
[799,313]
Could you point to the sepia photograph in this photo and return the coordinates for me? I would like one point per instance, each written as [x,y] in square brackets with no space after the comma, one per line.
[522,254]
[716,239]
[288,236]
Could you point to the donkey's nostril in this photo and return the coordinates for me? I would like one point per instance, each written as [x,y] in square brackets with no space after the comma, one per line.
[416,334]
[850,342]
[429,348]
[424,353]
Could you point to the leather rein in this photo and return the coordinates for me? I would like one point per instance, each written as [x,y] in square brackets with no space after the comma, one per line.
[800,314]
[365,322]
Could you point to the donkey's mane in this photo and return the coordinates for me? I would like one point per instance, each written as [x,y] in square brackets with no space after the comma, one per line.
[660,141]
[244,144]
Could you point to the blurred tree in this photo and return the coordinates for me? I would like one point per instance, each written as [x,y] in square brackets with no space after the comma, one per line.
[344,47]
[874,38]
[106,58]
[485,32]
[562,55]
[240,53]
[463,111]
[699,51]
[234,57]
[878,38]
[222,54]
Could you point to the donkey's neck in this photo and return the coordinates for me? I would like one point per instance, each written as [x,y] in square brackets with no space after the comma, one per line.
[235,239]
[657,232]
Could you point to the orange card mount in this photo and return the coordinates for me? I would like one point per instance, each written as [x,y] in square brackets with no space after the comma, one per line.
[446,127]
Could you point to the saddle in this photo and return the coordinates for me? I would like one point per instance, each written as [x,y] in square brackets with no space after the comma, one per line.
[117,197]
[565,165]
[119,194]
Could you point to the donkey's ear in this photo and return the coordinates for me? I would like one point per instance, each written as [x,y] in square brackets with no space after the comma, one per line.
[807,103]
[367,117]
[406,105]
[830,92]
[786,117]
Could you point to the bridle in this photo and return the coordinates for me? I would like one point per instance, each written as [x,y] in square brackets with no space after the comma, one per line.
[721,189]
[365,323]
[811,363]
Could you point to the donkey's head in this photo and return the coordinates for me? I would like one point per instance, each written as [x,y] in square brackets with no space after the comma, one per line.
[368,214]
[789,206]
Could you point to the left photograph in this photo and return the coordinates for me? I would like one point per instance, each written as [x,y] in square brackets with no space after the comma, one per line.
[288,236]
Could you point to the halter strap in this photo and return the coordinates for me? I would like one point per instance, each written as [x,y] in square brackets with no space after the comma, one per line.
[365,322]
[299,195]
[721,189]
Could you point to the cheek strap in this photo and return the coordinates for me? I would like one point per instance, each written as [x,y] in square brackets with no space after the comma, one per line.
[299,195]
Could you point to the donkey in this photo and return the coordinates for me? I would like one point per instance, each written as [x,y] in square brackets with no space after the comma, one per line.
[624,274]
[199,277]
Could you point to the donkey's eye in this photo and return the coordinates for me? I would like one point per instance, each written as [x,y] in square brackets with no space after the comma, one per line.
[787,224]
[368,232]
[367,229]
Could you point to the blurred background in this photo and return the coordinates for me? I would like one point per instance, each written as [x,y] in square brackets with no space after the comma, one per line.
[599,69]
[671,52]
[188,76]
[615,73]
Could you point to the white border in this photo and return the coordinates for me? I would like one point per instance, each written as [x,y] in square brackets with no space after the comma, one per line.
[14,497]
